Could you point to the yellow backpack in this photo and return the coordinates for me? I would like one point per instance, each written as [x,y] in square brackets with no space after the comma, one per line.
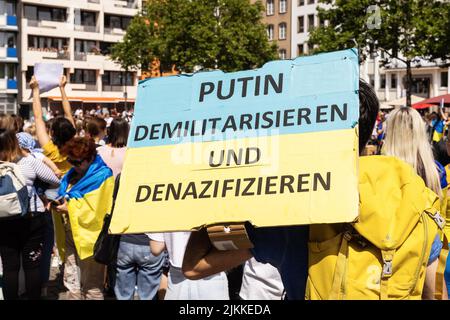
[385,253]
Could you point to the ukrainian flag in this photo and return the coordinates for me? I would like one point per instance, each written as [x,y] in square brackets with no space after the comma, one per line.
[88,201]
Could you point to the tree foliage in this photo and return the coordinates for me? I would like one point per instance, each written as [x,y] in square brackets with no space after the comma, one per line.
[223,34]
[408,29]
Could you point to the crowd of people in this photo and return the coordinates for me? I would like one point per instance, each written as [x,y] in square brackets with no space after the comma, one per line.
[71,166]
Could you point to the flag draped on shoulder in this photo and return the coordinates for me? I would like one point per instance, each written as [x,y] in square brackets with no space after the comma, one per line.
[88,201]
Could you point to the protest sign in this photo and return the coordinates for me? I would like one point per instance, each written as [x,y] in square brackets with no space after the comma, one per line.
[274,146]
[48,75]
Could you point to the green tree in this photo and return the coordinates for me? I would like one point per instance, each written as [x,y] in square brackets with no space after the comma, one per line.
[404,29]
[211,34]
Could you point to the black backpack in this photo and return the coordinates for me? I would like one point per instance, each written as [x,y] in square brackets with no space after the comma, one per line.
[107,245]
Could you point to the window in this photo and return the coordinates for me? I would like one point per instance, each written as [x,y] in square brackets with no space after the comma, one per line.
[300,49]
[58,14]
[37,42]
[301,3]
[383,81]
[372,80]
[310,1]
[444,79]
[282,31]
[321,22]
[310,22]
[393,81]
[282,54]
[83,76]
[117,22]
[308,47]
[283,6]
[30,12]
[11,71]
[105,47]
[45,13]
[29,73]
[270,7]
[115,78]
[2,70]
[8,7]
[300,24]
[84,46]
[7,39]
[88,18]
[270,31]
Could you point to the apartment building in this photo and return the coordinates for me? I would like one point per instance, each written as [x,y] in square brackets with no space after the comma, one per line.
[9,61]
[429,79]
[78,34]
[277,17]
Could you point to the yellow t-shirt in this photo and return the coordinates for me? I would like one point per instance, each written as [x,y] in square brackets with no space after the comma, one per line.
[51,151]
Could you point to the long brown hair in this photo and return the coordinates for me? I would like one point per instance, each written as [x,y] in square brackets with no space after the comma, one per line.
[9,146]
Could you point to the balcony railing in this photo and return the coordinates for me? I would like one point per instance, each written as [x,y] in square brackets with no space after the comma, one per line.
[79,27]
[11,20]
[115,31]
[80,56]
[45,23]
[131,4]
[93,1]
[84,86]
[12,84]
[11,53]
[53,52]
[113,88]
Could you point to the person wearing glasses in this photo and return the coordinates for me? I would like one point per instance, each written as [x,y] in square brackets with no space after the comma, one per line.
[86,195]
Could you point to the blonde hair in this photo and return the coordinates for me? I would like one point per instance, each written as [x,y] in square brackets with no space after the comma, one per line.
[406,139]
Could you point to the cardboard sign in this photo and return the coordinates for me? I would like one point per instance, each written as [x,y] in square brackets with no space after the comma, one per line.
[274,146]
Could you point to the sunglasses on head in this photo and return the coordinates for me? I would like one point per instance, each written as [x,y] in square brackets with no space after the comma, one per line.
[75,163]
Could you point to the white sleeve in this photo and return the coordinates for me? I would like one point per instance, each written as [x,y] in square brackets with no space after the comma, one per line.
[156,236]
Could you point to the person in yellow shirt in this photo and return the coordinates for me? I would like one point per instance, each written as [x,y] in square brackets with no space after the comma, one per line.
[61,131]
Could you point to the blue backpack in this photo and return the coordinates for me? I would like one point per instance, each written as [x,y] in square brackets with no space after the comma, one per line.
[14,201]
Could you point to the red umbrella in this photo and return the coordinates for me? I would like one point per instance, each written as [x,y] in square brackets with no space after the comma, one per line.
[437,100]
[421,105]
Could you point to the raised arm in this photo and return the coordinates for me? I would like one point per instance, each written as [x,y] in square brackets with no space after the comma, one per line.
[65,102]
[41,131]
[202,259]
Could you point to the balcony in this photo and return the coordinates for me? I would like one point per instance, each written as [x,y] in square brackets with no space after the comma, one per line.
[115,31]
[8,54]
[47,53]
[11,21]
[113,88]
[11,84]
[128,8]
[86,28]
[8,22]
[46,24]
[83,86]
[94,1]
[89,57]
[11,52]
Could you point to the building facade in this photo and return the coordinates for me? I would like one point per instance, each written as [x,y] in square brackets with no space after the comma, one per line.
[9,62]
[429,79]
[277,17]
[75,33]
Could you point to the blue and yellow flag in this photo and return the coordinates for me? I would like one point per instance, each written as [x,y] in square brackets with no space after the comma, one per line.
[88,201]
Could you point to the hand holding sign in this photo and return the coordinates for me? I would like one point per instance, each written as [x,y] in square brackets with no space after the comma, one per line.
[48,75]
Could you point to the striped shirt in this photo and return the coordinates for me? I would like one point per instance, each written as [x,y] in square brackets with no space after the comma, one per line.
[33,169]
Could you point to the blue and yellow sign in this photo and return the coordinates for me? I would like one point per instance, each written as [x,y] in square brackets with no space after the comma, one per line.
[275,146]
